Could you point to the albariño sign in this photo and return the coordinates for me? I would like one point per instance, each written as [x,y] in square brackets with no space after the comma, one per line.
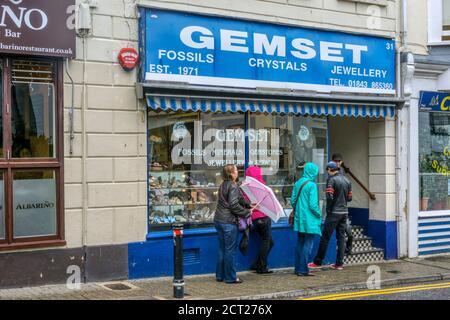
[36,27]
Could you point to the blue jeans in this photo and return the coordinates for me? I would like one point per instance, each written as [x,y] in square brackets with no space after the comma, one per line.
[303,251]
[228,239]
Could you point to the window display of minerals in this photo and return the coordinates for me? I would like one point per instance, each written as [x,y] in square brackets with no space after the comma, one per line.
[186,154]
[284,144]
[188,150]
[434,161]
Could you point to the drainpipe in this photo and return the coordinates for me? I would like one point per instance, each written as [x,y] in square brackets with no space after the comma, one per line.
[83,30]
[402,27]
[84,148]
[71,110]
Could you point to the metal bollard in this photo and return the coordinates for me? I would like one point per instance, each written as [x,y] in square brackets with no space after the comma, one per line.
[178,281]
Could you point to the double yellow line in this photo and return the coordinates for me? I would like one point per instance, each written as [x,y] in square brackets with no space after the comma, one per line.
[369,293]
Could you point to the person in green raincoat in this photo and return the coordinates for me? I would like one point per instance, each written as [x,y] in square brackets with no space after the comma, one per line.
[308,217]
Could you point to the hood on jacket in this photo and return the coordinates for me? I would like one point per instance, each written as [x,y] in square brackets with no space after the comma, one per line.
[311,171]
[256,173]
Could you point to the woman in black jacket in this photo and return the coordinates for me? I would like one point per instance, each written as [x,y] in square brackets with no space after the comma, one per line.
[230,206]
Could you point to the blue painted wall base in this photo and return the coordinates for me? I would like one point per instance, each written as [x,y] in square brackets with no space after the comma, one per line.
[359,217]
[154,258]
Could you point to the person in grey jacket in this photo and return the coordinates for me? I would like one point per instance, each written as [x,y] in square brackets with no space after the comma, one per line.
[230,206]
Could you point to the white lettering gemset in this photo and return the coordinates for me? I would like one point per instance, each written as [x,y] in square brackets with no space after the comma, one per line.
[238,41]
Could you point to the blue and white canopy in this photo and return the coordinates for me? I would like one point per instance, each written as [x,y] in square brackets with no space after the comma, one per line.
[165,103]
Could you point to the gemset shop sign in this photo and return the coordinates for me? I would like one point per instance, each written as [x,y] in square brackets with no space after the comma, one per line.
[205,50]
[37,27]
[434,101]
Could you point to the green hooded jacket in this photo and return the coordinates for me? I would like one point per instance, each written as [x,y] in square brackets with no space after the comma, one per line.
[308,217]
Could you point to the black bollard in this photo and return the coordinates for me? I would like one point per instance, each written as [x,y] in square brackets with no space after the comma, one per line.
[178,281]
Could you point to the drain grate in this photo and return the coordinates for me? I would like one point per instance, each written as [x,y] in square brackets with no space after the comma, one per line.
[117,286]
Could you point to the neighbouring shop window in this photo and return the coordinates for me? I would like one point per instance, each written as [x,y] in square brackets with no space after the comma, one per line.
[2,206]
[31,162]
[434,161]
[34,204]
[186,154]
[280,143]
[33,111]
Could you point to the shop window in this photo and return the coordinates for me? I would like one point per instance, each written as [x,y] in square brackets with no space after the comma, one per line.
[33,111]
[2,206]
[188,150]
[434,161]
[281,143]
[31,162]
[186,154]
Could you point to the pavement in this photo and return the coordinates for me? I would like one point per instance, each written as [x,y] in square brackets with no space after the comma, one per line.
[283,283]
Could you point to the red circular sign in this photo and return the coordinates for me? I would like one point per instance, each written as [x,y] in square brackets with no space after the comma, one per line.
[128,58]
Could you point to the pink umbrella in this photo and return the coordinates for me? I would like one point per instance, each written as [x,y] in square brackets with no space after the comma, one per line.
[263,196]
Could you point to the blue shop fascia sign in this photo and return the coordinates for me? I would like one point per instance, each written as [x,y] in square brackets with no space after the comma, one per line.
[434,101]
[216,51]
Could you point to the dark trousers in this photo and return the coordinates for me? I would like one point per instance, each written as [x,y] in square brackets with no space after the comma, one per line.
[348,232]
[333,222]
[263,227]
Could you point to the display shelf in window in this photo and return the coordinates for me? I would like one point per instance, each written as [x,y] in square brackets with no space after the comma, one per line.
[170,215]
[181,205]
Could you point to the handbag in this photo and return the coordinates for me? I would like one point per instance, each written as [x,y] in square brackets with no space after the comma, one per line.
[292,215]
[244,223]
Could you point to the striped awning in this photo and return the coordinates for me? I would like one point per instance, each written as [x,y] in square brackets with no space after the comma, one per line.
[167,103]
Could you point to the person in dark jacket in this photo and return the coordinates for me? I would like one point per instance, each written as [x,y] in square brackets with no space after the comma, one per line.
[230,206]
[338,192]
[339,159]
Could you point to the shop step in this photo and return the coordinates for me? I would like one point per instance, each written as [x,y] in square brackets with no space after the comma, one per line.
[362,248]
[362,244]
[358,232]
[368,256]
